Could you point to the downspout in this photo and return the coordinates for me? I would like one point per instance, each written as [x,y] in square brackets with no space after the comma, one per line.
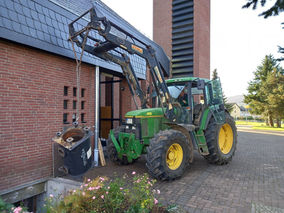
[97,119]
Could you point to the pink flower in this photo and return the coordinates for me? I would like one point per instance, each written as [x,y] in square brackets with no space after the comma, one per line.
[74,191]
[106,192]
[83,193]
[158,191]
[120,188]
[133,172]
[86,185]
[102,179]
[156,201]
[102,197]
[51,195]
[94,197]
[17,210]
[108,187]
[89,180]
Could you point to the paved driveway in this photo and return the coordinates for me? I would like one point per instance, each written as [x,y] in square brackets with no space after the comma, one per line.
[252,182]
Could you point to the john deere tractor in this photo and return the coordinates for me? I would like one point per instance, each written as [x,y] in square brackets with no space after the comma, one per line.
[186,114]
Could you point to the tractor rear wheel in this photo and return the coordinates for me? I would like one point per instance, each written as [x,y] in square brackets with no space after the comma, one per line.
[111,150]
[221,140]
[168,155]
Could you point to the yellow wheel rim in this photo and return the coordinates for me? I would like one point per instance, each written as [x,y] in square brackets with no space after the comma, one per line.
[226,138]
[174,156]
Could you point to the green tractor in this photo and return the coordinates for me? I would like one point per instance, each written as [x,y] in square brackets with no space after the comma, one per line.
[186,114]
[203,124]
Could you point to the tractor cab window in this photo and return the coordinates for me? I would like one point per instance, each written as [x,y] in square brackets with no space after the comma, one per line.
[179,93]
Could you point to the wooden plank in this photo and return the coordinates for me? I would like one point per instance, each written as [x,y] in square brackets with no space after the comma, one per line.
[102,157]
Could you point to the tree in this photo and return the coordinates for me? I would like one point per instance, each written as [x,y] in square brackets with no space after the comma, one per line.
[274,88]
[259,89]
[228,106]
[277,8]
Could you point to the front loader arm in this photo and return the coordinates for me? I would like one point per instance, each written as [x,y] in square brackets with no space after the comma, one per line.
[104,49]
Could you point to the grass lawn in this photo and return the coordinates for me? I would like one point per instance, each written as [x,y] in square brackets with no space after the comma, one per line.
[259,125]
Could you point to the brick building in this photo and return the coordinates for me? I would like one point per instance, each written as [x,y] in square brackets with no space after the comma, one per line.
[182,28]
[38,87]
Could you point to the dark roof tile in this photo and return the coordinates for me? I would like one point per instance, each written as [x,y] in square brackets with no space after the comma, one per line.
[27,11]
[30,22]
[7,23]
[38,8]
[51,14]
[48,21]
[17,27]
[25,30]
[22,19]
[60,42]
[54,23]
[51,30]
[40,35]
[31,5]
[41,18]
[18,8]
[13,16]
[9,5]
[2,4]
[54,40]
[45,11]
[37,25]
[44,28]
[47,37]
[23,2]
[34,15]
[33,32]
[3,12]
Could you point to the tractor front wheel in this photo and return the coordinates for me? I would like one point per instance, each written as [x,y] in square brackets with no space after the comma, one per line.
[221,140]
[168,155]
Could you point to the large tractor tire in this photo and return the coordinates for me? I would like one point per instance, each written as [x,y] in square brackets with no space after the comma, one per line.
[111,150]
[168,155]
[221,140]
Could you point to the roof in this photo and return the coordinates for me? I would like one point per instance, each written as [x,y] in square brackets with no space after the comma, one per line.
[44,25]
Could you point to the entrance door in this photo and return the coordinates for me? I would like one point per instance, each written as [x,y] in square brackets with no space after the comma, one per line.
[109,105]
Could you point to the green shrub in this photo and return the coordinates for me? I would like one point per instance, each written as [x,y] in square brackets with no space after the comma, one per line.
[125,194]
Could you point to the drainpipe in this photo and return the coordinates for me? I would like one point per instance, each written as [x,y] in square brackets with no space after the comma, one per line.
[97,119]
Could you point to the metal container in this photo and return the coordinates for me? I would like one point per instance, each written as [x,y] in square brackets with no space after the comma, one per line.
[75,149]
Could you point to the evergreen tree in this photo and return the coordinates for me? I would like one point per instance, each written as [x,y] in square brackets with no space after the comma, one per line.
[273,87]
[277,8]
[258,91]
[228,106]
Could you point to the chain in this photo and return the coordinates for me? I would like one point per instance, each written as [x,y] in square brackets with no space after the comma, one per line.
[78,72]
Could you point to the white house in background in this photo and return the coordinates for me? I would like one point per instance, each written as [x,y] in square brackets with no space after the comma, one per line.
[239,111]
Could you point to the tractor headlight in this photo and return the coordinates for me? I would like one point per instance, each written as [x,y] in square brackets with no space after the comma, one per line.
[129,121]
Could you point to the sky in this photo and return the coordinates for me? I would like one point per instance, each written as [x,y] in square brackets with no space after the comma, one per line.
[239,38]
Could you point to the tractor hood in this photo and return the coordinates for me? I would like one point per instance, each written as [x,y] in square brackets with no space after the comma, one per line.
[142,113]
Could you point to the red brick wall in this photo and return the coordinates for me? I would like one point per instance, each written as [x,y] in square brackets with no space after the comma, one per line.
[162,32]
[162,24]
[202,38]
[31,108]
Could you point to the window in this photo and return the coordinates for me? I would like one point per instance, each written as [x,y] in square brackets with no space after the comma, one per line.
[65,118]
[65,104]
[83,118]
[82,104]
[74,91]
[65,91]
[83,93]
[74,104]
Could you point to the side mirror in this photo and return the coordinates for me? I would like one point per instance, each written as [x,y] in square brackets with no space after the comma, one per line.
[200,84]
